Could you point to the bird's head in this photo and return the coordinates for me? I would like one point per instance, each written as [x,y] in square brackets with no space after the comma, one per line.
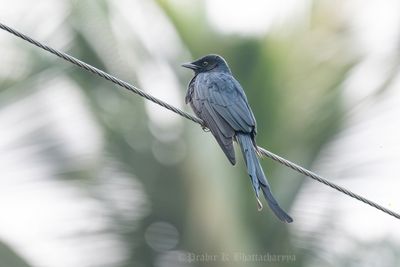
[208,63]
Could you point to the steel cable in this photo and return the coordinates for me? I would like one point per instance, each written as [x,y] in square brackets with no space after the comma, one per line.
[186,115]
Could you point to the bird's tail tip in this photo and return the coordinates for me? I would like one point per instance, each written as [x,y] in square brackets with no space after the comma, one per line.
[288,219]
[282,215]
[279,212]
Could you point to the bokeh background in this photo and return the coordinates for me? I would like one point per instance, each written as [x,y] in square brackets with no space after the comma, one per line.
[92,175]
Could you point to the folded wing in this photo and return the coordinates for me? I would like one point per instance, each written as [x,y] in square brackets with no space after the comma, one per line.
[219,100]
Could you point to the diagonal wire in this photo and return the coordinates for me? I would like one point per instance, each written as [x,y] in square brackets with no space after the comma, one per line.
[186,115]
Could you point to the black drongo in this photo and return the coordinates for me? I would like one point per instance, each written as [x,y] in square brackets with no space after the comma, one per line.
[218,99]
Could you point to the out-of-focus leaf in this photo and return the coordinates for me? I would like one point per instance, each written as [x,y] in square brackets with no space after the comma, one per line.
[9,258]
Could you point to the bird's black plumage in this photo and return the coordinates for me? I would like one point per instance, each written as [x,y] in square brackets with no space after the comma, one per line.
[219,100]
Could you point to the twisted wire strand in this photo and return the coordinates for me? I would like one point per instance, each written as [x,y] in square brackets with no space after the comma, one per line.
[320,179]
[102,74]
[188,116]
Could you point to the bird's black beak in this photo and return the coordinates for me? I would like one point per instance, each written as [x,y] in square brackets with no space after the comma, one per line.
[190,66]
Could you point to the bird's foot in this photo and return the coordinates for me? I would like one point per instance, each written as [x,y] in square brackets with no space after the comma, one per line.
[205,128]
[259,153]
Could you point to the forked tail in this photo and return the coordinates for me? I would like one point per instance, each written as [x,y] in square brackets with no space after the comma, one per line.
[257,176]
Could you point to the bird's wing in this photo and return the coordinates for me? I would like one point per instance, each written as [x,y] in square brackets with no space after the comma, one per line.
[228,101]
[219,101]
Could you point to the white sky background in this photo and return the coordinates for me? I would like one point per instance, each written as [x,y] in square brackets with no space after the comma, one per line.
[254,17]
[376,32]
[369,145]
[365,156]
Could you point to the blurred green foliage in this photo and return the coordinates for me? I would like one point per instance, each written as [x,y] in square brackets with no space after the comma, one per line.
[8,258]
[293,82]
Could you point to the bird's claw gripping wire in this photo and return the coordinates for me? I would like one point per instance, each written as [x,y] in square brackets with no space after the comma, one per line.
[205,129]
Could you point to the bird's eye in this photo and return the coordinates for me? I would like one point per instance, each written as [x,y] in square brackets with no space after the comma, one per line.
[205,63]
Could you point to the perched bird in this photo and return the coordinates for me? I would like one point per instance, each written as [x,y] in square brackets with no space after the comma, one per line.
[219,100]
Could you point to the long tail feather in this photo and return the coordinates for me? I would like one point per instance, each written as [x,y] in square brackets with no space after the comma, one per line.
[258,179]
